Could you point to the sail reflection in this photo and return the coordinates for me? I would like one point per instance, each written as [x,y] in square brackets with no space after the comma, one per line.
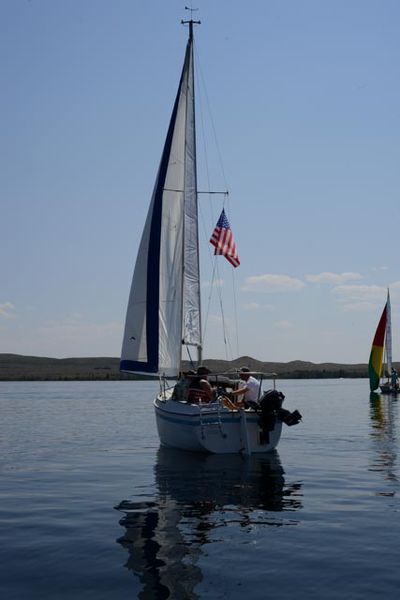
[383,413]
[196,496]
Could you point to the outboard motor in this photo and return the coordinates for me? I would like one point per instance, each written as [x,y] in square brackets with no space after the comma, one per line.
[271,400]
[271,409]
[269,405]
[290,418]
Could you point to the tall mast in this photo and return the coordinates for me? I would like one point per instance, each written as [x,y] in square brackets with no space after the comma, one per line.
[191,22]
[192,182]
[388,336]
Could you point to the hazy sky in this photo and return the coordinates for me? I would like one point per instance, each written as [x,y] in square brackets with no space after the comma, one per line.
[305,101]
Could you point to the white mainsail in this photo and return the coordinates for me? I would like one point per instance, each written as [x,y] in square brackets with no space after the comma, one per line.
[164,303]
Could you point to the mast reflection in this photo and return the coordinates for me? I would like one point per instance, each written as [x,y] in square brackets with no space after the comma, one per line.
[196,496]
[383,413]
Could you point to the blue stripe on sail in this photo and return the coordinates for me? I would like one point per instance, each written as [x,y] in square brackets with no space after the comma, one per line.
[135,366]
[153,259]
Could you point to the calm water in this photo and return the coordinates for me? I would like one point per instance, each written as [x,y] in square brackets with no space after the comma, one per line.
[318,519]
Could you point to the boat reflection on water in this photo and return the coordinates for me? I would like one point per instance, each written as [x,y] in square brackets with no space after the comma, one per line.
[196,495]
[383,413]
[213,482]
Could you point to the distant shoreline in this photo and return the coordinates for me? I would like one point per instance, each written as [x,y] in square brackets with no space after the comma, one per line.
[16,367]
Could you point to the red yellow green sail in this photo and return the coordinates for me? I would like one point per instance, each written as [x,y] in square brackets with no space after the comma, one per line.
[376,356]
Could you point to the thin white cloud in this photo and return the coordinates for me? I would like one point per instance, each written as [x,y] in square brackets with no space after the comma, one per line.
[380,268]
[257,306]
[333,278]
[74,317]
[7,310]
[215,319]
[360,306]
[270,284]
[218,319]
[359,293]
[71,329]
[283,325]
[215,283]
[251,306]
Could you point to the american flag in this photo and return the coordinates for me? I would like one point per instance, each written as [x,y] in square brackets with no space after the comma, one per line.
[222,239]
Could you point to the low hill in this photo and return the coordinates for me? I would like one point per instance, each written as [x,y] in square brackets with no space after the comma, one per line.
[296,369]
[15,367]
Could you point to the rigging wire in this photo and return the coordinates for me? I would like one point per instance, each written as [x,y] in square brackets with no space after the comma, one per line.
[235,311]
[215,279]
[208,105]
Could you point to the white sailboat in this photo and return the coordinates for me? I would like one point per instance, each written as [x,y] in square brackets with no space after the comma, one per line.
[390,385]
[164,313]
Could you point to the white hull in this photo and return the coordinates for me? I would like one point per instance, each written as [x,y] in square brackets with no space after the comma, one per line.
[388,388]
[212,428]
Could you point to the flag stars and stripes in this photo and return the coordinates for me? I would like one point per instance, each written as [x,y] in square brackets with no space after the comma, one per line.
[222,240]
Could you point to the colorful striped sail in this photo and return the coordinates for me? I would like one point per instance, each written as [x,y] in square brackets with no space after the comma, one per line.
[376,356]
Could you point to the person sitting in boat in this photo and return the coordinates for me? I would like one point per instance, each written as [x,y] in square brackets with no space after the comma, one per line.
[250,390]
[181,389]
[200,389]
[394,378]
